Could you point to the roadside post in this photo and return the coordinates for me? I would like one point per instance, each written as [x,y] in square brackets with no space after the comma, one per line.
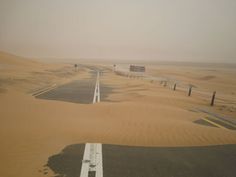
[76,67]
[213,98]
[174,87]
[190,90]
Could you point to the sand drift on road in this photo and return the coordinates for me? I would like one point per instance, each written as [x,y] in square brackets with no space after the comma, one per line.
[132,112]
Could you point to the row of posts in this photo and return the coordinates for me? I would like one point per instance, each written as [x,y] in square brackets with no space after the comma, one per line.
[190,91]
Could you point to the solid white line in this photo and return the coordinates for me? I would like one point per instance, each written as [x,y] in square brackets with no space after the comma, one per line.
[86,161]
[95,92]
[96,97]
[98,88]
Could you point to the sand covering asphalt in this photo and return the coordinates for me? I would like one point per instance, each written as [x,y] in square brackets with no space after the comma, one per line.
[138,113]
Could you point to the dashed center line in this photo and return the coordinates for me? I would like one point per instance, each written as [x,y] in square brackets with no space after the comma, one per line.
[92,160]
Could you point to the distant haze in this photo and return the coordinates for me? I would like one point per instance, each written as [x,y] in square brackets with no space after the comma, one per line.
[180,30]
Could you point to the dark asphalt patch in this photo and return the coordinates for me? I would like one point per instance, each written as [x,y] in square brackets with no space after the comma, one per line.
[67,163]
[128,161]
[105,91]
[212,161]
[79,91]
[91,174]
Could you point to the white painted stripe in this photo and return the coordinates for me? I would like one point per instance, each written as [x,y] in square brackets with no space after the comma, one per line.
[46,90]
[95,94]
[92,160]
[96,97]
[86,161]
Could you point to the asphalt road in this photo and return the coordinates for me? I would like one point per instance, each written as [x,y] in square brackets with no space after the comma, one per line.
[78,91]
[68,162]
[127,161]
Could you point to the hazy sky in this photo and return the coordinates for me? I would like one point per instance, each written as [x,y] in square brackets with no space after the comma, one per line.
[190,30]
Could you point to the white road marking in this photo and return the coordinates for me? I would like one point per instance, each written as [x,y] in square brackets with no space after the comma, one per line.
[86,161]
[45,90]
[96,97]
[98,89]
[95,94]
[92,160]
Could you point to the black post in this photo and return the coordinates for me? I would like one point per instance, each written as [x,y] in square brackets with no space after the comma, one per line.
[174,87]
[76,66]
[213,98]
[190,91]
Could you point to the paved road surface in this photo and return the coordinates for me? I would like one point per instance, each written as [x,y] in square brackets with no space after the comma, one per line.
[78,91]
[127,161]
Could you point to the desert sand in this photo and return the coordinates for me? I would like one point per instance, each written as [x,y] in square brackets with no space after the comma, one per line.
[138,112]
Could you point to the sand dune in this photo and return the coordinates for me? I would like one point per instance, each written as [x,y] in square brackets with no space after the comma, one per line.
[27,75]
[9,59]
